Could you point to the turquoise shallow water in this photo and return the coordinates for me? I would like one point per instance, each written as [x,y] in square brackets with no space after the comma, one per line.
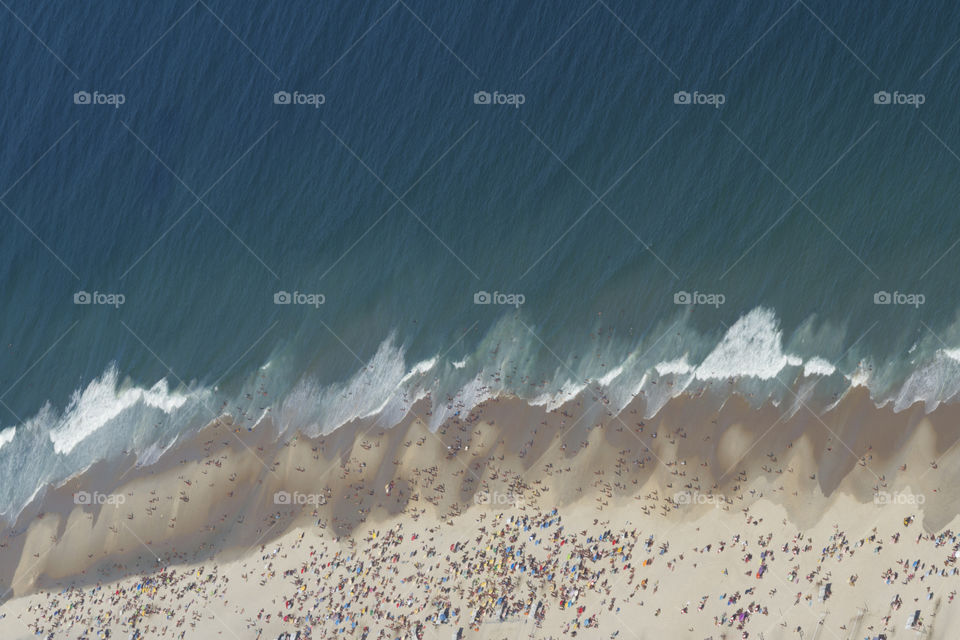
[783,198]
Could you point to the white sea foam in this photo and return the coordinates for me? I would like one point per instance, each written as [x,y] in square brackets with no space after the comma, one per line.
[818,367]
[860,377]
[556,399]
[419,369]
[6,436]
[102,401]
[935,382]
[612,375]
[680,367]
[752,347]
[953,354]
[316,409]
[382,388]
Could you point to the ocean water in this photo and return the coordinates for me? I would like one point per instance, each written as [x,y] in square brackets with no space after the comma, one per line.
[813,173]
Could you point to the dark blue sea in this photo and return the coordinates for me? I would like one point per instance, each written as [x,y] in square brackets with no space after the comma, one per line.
[314,212]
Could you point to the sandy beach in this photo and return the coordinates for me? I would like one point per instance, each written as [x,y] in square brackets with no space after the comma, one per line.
[710,521]
[524,320]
